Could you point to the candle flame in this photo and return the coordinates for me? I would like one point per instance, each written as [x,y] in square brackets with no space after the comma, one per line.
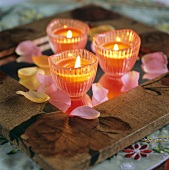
[116,47]
[69,34]
[118,39]
[78,62]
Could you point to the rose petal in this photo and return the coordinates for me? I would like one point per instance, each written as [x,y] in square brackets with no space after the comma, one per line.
[47,90]
[150,76]
[154,66]
[27,72]
[31,83]
[60,99]
[158,56]
[96,102]
[41,61]
[85,112]
[130,80]
[99,29]
[27,48]
[99,92]
[44,79]
[25,59]
[36,97]
[60,105]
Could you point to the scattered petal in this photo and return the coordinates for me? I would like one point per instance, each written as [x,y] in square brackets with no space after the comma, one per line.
[41,61]
[27,72]
[85,112]
[25,59]
[34,96]
[27,48]
[60,99]
[159,56]
[154,66]
[99,29]
[31,83]
[28,77]
[46,80]
[96,102]
[150,76]
[130,80]
[47,90]
[99,94]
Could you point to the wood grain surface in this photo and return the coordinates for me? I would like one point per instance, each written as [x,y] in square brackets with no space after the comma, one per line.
[58,142]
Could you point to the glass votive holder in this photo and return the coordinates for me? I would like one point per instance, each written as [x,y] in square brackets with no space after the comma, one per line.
[117,51]
[67,34]
[71,77]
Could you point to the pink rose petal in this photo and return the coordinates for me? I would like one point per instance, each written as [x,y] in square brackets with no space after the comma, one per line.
[85,112]
[44,79]
[154,66]
[24,58]
[130,80]
[159,56]
[62,106]
[96,102]
[150,76]
[60,99]
[99,92]
[27,48]
[51,89]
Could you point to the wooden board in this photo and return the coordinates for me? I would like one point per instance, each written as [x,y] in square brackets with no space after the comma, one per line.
[56,141]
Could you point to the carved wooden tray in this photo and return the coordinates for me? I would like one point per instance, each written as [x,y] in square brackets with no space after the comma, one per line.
[58,142]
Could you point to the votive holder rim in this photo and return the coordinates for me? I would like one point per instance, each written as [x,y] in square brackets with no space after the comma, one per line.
[71,51]
[112,50]
[52,22]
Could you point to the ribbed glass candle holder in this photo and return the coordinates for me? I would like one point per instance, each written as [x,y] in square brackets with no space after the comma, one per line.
[67,34]
[117,51]
[74,81]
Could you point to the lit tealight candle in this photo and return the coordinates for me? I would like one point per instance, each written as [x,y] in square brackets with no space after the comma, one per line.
[74,71]
[117,51]
[67,34]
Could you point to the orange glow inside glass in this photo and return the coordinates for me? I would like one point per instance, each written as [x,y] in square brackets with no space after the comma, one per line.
[68,32]
[116,46]
[117,51]
[74,73]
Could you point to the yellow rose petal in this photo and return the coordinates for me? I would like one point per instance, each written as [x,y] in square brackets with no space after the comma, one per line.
[31,83]
[34,96]
[99,29]
[41,61]
[27,72]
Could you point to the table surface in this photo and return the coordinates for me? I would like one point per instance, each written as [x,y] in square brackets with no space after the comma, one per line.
[92,154]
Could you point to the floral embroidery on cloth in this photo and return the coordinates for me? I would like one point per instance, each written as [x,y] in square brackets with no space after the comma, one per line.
[136,151]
